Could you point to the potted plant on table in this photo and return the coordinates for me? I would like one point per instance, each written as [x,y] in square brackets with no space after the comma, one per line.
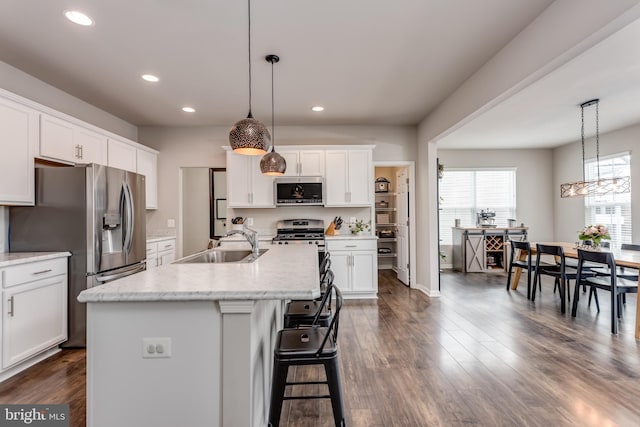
[594,234]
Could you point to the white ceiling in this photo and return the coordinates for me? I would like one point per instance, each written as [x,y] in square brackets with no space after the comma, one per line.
[547,113]
[369,62]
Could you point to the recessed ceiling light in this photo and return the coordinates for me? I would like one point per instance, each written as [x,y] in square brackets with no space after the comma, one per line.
[317,108]
[78,18]
[188,109]
[150,78]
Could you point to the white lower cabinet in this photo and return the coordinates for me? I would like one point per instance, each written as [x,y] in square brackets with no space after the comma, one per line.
[354,263]
[160,252]
[34,309]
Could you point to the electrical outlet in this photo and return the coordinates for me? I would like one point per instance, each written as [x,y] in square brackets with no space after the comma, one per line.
[249,221]
[352,220]
[156,348]
[171,223]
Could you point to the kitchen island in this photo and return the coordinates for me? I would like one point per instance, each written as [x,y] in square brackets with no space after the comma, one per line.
[191,344]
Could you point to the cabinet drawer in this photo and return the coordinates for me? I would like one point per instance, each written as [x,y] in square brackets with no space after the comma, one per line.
[166,245]
[152,249]
[351,245]
[25,273]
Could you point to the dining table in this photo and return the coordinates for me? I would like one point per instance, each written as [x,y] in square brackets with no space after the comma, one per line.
[624,258]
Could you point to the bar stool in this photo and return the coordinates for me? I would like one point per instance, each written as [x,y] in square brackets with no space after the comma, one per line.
[304,312]
[314,345]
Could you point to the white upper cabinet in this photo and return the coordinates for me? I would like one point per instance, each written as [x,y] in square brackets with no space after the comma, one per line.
[92,146]
[303,162]
[147,165]
[122,155]
[246,186]
[348,177]
[18,146]
[61,140]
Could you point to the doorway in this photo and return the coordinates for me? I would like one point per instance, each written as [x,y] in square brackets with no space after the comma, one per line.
[203,207]
[395,218]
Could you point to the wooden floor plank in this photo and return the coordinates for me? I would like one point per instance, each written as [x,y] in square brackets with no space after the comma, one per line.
[477,356]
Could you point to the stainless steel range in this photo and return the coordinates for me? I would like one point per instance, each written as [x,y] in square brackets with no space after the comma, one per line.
[300,232]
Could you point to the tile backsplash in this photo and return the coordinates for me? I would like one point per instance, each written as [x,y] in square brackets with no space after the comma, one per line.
[4,225]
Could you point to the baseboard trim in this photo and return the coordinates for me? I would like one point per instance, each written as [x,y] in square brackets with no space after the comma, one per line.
[428,292]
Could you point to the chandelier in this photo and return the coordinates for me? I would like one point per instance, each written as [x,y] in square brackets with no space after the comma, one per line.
[599,186]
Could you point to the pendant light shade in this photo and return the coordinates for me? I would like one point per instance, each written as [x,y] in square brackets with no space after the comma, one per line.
[249,136]
[273,163]
[599,186]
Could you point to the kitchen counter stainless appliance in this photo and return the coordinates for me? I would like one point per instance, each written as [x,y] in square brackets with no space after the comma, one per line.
[95,212]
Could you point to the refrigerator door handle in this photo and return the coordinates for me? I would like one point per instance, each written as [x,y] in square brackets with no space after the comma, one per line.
[110,277]
[129,212]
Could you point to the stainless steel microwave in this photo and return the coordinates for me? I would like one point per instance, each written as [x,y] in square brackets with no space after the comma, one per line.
[299,191]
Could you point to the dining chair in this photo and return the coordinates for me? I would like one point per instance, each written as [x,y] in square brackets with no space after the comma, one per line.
[622,272]
[518,250]
[559,271]
[611,283]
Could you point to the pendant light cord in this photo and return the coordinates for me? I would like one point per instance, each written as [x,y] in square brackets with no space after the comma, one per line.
[249,13]
[598,139]
[273,120]
[584,175]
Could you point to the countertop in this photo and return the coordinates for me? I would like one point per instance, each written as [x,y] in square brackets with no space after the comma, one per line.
[15,258]
[283,272]
[350,236]
[160,239]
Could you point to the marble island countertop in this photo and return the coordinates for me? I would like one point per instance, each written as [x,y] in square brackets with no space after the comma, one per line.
[282,272]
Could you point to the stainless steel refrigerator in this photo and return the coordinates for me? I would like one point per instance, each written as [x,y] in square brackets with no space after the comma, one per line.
[95,212]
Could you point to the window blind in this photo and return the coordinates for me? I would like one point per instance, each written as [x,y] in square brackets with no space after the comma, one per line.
[464,192]
[611,210]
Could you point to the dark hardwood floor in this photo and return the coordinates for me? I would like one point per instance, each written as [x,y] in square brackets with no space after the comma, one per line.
[479,355]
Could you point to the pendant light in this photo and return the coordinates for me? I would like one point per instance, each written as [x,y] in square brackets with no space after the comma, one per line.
[273,163]
[249,136]
[600,186]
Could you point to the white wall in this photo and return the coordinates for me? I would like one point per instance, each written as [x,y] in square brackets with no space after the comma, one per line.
[195,209]
[202,147]
[534,182]
[20,83]
[567,160]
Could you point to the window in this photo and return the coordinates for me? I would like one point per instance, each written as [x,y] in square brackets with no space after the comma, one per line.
[463,193]
[612,210]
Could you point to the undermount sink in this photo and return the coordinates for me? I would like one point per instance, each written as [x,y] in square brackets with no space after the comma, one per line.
[222,256]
